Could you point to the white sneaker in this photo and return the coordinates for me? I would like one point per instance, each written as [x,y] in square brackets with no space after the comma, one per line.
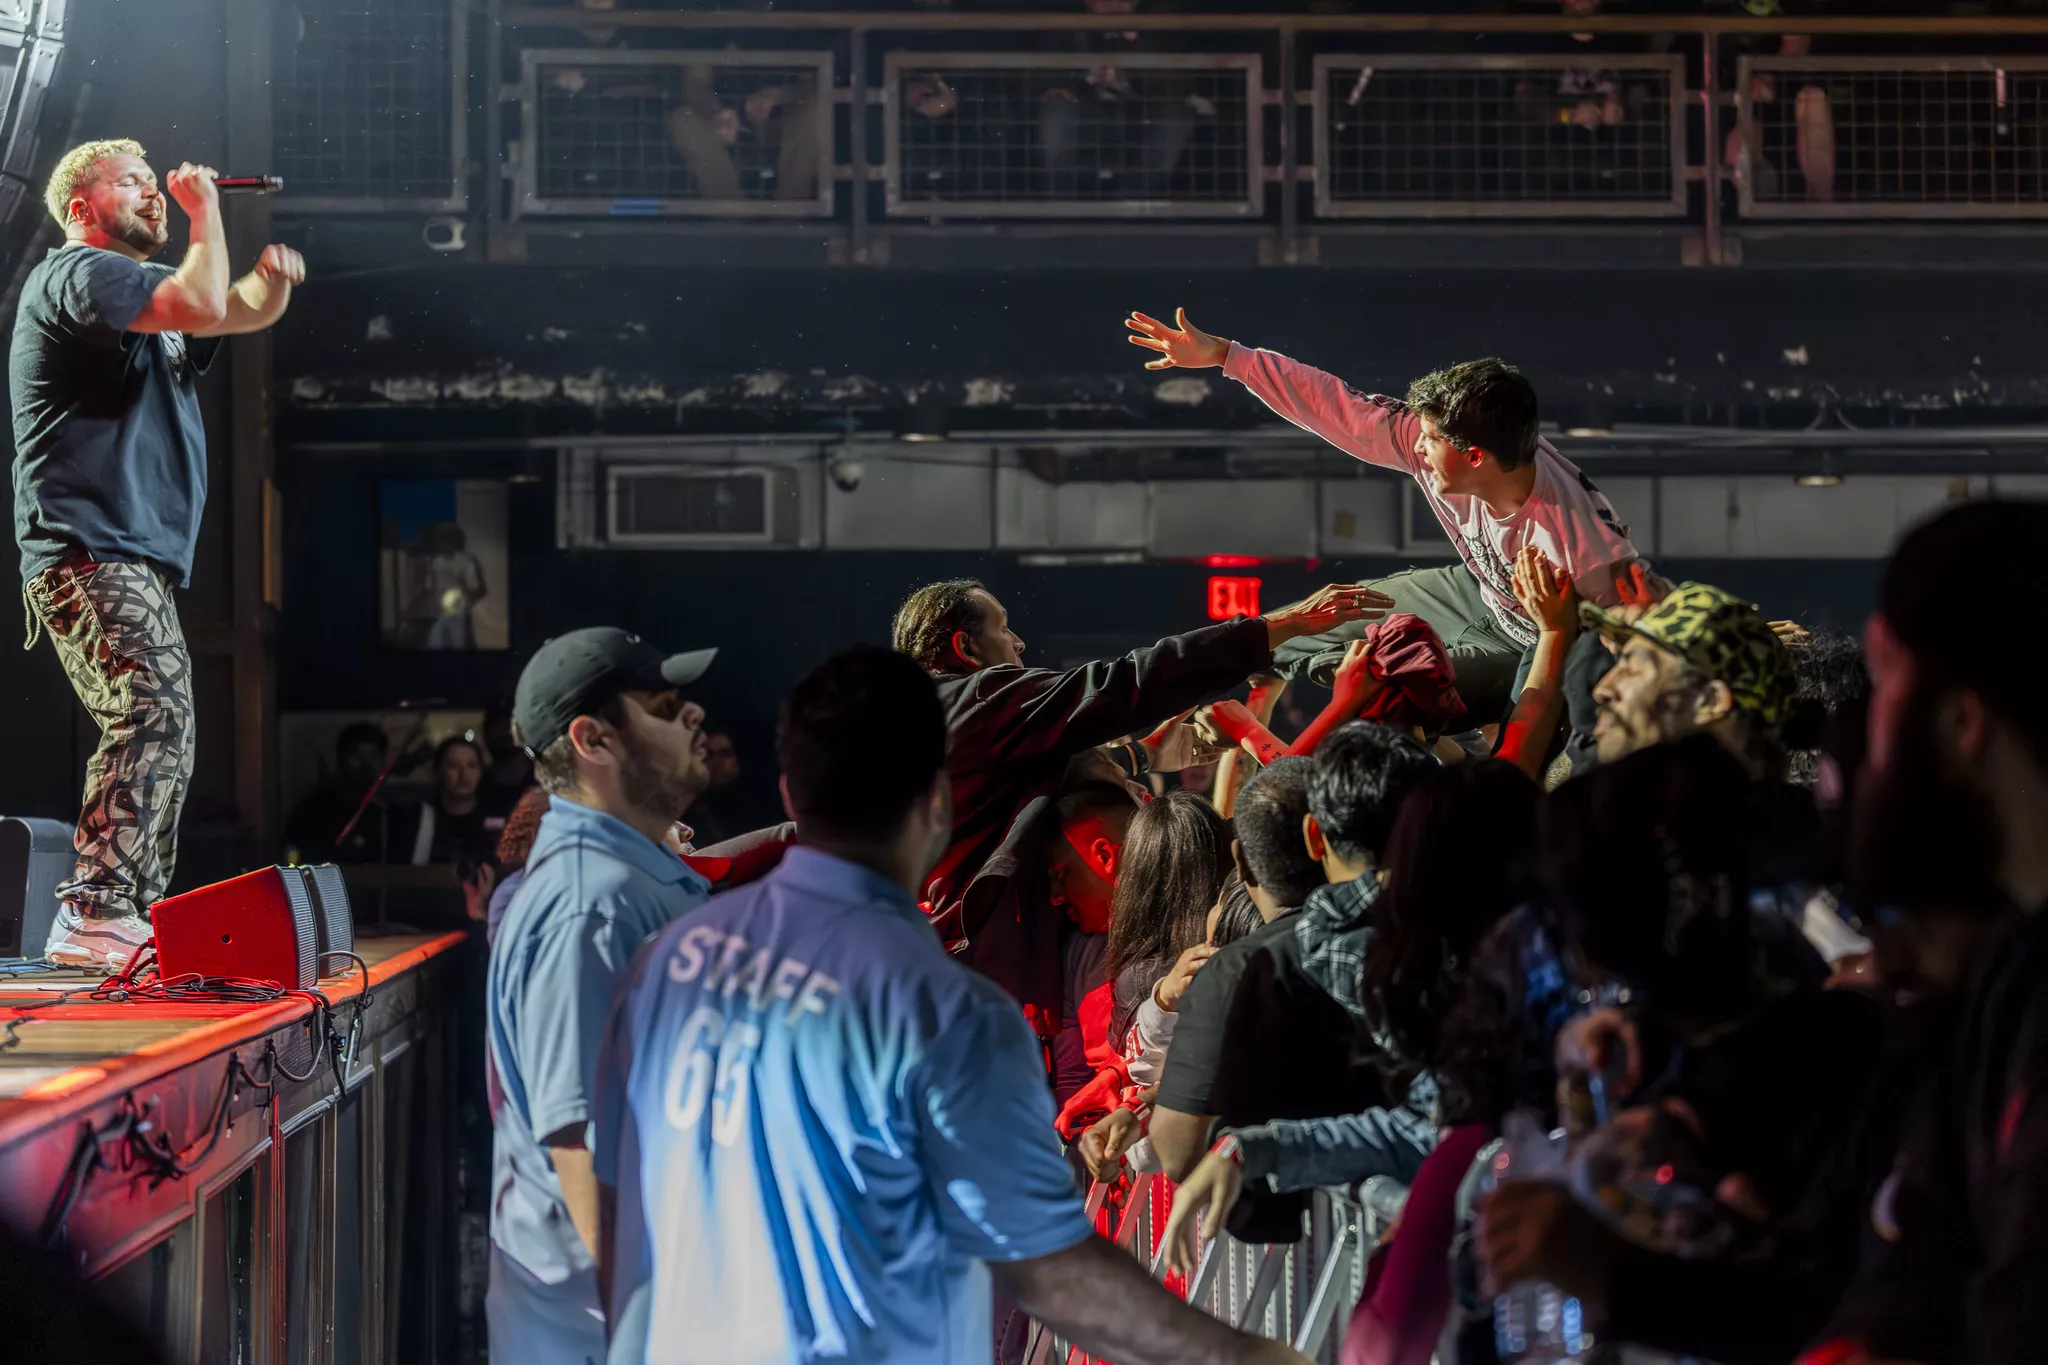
[107,945]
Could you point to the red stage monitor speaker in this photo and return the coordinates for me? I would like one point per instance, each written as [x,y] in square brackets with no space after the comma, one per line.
[260,925]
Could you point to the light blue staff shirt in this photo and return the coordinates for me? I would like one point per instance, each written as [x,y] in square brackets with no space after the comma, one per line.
[595,890]
[820,1127]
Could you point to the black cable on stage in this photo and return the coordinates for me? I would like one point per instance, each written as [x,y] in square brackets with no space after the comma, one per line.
[141,982]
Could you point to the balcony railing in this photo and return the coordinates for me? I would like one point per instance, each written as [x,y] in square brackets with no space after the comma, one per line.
[1511,136]
[1281,118]
[726,134]
[370,108]
[1855,137]
[1014,134]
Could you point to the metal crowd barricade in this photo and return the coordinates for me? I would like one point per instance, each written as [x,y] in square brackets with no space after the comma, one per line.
[1299,1292]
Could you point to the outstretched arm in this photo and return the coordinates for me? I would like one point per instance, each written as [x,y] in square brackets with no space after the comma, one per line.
[1377,430]
[1103,1301]
[259,298]
[1039,711]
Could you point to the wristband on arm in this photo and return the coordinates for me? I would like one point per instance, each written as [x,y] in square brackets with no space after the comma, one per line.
[1131,758]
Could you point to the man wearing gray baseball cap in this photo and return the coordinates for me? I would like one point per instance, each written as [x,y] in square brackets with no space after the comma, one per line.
[621,755]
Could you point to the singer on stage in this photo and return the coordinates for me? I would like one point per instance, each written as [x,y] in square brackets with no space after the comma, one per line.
[109,485]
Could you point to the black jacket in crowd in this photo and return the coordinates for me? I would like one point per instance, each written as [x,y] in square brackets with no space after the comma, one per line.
[1010,734]
[1966,1274]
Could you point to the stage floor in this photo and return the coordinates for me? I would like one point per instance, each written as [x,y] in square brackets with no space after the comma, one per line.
[52,1048]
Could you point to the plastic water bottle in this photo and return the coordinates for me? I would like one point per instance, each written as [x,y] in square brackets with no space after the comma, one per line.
[1534,1323]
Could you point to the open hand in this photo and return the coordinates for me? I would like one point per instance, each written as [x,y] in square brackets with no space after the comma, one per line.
[1178,744]
[1181,346]
[280,263]
[1174,984]
[1326,609]
[1200,1206]
[1545,593]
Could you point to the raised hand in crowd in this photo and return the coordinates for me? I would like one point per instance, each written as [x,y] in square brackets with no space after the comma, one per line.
[1201,1204]
[1230,724]
[1546,594]
[1265,696]
[1639,589]
[1551,601]
[1327,608]
[1181,344]
[1351,690]
[1179,743]
[1233,770]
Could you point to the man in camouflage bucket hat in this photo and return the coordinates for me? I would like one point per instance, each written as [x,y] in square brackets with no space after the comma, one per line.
[1701,659]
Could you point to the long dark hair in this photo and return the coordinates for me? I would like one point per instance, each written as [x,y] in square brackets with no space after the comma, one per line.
[1237,913]
[1455,862]
[1175,858]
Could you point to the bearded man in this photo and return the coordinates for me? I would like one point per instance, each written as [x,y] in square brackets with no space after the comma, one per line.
[621,756]
[1950,850]
[109,486]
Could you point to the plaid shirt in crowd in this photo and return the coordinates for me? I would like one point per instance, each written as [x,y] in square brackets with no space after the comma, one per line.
[1332,933]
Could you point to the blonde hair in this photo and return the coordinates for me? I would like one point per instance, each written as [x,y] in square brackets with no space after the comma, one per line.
[76,169]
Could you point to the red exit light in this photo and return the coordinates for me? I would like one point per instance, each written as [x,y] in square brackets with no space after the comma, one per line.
[1230,597]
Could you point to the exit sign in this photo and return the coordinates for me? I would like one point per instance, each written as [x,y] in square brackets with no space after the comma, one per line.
[1230,597]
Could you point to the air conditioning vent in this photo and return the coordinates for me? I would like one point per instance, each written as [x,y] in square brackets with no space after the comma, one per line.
[694,505]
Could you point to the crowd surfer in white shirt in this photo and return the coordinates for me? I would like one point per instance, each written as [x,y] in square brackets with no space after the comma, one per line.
[1468,437]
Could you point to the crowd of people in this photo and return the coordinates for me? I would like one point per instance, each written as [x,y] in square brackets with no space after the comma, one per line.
[1724,930]
[1719,924]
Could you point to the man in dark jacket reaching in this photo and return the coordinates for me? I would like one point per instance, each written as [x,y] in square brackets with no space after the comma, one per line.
[1013,731]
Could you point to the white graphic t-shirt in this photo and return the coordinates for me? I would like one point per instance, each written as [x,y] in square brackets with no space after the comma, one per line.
[1566,516]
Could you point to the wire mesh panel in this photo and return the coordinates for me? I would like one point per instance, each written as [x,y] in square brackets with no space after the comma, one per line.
[1021,134]
[1853,137]
[677,133]
[367,103]
[1506,137]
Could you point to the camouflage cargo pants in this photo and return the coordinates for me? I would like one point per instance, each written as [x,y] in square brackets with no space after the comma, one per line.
[117,634]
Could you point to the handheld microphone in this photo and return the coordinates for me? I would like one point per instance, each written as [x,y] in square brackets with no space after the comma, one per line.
[248,184]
